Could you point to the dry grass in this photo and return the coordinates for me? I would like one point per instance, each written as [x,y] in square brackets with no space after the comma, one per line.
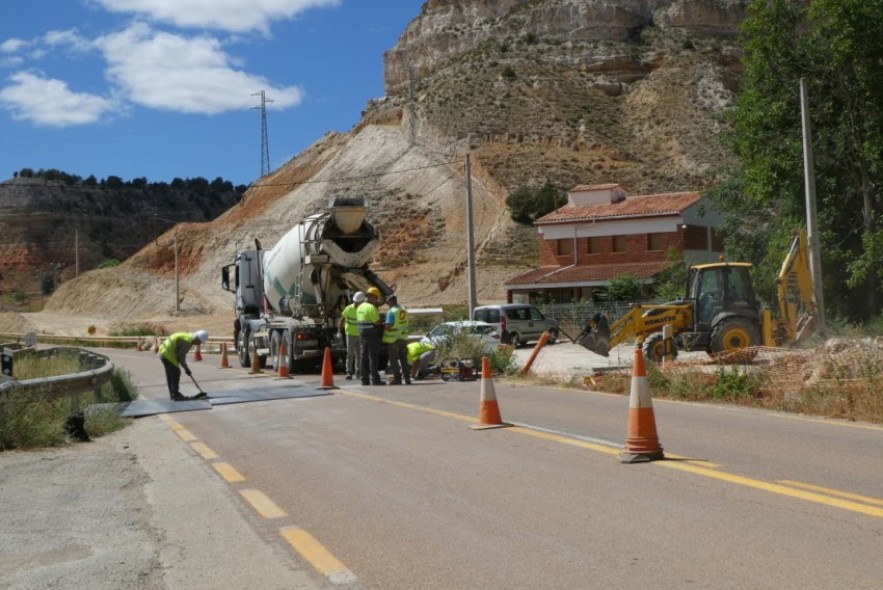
[840,379]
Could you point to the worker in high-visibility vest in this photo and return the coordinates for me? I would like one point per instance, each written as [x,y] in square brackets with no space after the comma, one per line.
[370,333]
[349,327]
[173,354]
[395,336]
[420,355]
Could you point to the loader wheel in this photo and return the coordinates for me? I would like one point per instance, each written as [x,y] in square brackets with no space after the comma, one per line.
[733,340]
[654,348]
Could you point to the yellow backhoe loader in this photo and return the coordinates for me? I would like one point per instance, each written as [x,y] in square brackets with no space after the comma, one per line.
[720,313]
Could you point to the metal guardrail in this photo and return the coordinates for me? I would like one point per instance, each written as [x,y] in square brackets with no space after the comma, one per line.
[213,344]
[98,371]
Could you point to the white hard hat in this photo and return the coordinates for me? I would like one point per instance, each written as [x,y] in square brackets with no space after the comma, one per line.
[359,297]
[202,335]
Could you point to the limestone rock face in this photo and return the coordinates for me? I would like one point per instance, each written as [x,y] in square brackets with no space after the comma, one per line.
[447,28]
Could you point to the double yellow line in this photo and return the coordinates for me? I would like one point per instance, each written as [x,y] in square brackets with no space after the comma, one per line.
[803,491]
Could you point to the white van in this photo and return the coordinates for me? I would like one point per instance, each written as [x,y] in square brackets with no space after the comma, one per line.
[517,323]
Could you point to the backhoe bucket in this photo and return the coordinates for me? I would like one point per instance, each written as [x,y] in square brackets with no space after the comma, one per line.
[596,342]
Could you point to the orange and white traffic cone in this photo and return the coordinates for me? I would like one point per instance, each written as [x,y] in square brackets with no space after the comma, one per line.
[225,362]
[327,371]
[488,410]
[642,442]
[282,368]
[197,355]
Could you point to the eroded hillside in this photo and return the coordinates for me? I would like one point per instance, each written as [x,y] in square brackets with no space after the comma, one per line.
[545,91]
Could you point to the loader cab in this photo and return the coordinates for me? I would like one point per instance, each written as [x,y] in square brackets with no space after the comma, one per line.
[721,288]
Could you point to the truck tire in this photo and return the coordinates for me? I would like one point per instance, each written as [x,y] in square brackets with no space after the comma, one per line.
[654,348]
[734,334]
[252,346]
[242,347]
[275,340]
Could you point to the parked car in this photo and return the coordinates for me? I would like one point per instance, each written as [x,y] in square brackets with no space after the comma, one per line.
[445,332]
[517,323]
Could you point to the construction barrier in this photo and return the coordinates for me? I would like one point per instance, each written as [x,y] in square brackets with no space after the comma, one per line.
[327,371]
[642,442]
[536,350]
[488,410]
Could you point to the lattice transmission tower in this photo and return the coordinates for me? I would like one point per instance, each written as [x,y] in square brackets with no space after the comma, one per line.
[265,144]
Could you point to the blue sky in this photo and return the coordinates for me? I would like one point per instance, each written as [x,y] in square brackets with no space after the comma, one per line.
[167,88]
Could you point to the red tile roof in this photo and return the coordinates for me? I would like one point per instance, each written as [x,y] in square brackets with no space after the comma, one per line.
[549,276]
[636,206]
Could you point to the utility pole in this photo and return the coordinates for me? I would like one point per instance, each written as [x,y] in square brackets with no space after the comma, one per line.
[812,230]
[177,281]
[76,252]
[265,144]
[470,239]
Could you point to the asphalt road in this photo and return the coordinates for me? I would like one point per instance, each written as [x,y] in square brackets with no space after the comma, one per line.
[389,488]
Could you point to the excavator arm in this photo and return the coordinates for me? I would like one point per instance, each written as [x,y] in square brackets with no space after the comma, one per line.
[794,291]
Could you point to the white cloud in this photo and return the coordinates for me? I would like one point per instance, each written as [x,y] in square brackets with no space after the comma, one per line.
[190,75]
[227,15]
[49,102]
[70,38]
[12,45]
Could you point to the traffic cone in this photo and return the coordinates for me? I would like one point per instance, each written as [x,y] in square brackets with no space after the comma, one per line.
[489,410]
[282,369]
[642,442]
[327,372]
[255,364]
[225,362]
[197,355]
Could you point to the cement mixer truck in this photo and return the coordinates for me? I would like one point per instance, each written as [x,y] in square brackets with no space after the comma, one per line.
[293,293]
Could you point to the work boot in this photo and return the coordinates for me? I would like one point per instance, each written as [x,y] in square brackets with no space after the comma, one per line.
[395,382]
[200,395]
[407,381]
[349,377]
[177,397]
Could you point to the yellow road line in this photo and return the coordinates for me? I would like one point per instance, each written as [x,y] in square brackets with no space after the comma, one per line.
[204,451]
[185,434]
[318,556]
[831,492]
[262,504]
[228,472]
[774,488]
[696,467]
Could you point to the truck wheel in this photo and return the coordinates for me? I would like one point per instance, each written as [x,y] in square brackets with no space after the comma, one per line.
[514,339]
[732,335]
[275,339]
[286,340]
[654,348]
[242,347]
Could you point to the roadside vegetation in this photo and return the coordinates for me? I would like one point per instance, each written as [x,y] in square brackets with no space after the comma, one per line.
[31,419]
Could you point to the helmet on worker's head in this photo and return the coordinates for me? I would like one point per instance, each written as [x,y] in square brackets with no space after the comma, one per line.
[202,335]
[375,292]
[359,297]
[392,298]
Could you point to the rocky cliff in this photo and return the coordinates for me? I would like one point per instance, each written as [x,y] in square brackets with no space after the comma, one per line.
[561,91]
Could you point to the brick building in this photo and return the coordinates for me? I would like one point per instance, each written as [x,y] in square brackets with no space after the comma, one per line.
[602,233]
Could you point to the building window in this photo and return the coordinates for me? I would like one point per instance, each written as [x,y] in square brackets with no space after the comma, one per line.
[563,247]
[655,242]
[619,244]
[594,245]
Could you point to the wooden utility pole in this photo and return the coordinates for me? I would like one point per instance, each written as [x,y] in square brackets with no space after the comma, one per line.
[812,230]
